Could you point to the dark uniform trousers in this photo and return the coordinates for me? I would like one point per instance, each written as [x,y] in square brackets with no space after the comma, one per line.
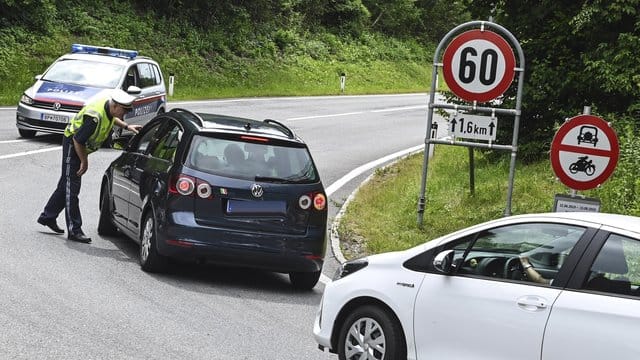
[65,197]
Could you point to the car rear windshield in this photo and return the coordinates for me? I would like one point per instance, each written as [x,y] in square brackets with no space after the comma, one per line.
[258,161]
[82,72]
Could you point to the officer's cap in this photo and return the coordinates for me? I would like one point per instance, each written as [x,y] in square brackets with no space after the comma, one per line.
[122,98]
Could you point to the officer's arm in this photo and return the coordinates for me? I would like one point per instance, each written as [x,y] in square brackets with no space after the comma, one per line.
[80,139]
[124,125]
[81,150]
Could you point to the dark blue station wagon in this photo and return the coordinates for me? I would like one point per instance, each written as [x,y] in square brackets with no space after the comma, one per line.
[221,189]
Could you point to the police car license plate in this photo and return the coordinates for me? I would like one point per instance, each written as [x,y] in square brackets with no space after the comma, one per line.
[55,118]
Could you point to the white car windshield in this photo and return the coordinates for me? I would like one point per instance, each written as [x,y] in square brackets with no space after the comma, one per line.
[82,72]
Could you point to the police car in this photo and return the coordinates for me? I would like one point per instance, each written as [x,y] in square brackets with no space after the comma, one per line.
[87,73]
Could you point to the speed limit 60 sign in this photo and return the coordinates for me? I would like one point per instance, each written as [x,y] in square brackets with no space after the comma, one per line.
[478,65]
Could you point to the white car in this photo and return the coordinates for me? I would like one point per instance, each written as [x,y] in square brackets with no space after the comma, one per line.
[86,73]
[468,295]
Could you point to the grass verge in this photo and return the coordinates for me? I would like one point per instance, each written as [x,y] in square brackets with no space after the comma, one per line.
[383,215]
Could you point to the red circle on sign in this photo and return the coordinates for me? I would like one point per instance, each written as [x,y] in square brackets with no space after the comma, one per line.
[557,146]
[499,86]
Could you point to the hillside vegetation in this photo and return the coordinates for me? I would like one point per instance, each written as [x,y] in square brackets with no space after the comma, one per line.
[226,48]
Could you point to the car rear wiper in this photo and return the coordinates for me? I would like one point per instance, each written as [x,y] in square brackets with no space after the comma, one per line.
[274,180]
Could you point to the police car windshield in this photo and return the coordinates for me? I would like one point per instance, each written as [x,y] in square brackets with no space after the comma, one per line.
[82,72]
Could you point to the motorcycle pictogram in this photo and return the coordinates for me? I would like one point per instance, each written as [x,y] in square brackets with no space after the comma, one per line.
[583,165]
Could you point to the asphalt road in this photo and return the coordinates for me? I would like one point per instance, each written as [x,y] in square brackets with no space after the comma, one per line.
[65,300]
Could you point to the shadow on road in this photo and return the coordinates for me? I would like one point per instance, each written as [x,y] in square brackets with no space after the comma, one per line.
[209,278]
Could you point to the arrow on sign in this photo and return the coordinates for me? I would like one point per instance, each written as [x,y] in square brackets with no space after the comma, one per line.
[491,126]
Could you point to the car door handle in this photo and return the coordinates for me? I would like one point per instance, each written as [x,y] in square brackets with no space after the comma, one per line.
[532,303]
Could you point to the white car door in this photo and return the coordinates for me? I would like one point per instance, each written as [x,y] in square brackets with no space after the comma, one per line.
[469,318]
[488,309]
[600,318]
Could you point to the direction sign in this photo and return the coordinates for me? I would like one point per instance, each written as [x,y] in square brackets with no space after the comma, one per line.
[473,126]
[584,152]
[478,65]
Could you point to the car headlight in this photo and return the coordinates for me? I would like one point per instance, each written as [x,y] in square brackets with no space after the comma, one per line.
[350,267]
[26,100]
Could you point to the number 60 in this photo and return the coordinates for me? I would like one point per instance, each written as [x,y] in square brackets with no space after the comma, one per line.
[488,66]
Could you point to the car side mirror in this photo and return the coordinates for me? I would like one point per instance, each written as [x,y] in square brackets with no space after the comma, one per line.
[443,262]
[133,90]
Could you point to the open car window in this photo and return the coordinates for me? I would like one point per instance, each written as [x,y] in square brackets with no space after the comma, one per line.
[496,253]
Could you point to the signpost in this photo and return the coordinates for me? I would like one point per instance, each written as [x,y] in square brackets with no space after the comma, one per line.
[584,152]
[478,66]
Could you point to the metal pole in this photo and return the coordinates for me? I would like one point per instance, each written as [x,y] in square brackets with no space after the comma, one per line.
[427,150]
[586,110]
[472,171]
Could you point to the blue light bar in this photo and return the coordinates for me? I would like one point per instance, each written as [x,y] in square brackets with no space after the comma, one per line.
[90,49]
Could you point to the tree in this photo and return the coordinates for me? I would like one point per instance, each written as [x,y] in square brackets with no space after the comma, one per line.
[577,54]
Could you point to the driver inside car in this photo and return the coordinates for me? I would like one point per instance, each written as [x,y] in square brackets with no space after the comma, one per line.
[531,272]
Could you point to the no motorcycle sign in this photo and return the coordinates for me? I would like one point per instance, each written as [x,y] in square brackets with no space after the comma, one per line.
[584,152]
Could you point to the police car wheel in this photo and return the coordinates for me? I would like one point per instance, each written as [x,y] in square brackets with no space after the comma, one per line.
[150,260]
[27,134]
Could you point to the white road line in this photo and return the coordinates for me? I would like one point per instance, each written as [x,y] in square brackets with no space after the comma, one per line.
[358,171]
[326,116]
[293,98]
[401,108]
[12,141]
[30,152]
[370,165]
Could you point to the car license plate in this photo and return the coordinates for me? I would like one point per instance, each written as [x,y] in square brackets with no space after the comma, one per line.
[237,207]
[55,118]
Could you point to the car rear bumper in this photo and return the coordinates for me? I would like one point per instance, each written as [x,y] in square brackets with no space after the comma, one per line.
[184,238]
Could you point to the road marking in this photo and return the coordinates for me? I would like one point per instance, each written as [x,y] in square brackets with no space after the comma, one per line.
[30,152]
[370,165]
[326,116]
[358,171]
[200,102]
[401,108]
[12,141]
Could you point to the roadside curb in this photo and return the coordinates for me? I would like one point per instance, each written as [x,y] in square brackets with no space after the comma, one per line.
[333,234]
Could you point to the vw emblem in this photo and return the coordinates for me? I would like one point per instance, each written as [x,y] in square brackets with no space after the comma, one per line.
[256,190]
[56,106]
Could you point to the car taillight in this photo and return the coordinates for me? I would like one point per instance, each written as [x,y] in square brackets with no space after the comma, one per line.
[304,202]
[185,185]
[319,201]
[203,189]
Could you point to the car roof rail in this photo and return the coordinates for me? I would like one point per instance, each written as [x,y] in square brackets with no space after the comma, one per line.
[282,127]
[194,115]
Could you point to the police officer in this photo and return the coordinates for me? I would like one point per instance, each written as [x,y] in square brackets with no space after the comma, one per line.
[84,135]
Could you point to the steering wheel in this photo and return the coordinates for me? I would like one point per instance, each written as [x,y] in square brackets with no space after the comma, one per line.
[513,269]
